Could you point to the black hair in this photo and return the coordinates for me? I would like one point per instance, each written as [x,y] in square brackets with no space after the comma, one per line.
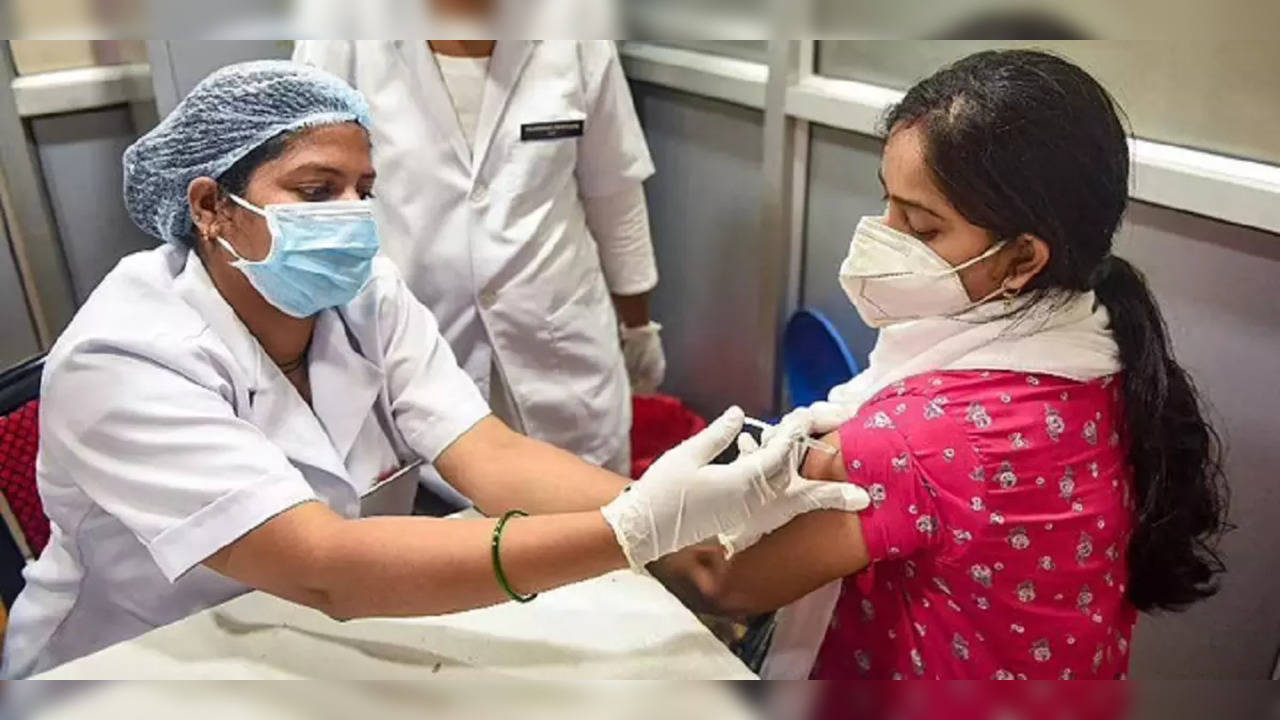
[235,180]
[1025,142]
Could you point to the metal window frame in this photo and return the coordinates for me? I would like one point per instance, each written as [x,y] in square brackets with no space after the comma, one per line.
[793,97]
[33,233]
[1235,190]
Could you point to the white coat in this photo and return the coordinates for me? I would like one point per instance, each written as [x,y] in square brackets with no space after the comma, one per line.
[167,433]
[495,242]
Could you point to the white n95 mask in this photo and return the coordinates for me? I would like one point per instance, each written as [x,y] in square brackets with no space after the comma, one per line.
[892,277]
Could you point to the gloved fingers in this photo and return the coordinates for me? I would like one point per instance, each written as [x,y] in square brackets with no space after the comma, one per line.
[772,462]
[706,445]
[797,423]
[738,540]
[649,376]
[784,425]
[747,444]
[646,363]
[831,495]
[765,470]
[829,416]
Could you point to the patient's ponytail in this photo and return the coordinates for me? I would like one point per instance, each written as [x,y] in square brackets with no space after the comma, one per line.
[1022,141]
[1175,453]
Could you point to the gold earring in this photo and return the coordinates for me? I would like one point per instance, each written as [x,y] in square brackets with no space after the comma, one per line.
[1010,294]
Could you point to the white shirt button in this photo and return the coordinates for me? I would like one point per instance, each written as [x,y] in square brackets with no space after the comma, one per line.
[479,194]
[488,299]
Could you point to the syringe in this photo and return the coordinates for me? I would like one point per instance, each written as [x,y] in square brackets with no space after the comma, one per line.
[807,442]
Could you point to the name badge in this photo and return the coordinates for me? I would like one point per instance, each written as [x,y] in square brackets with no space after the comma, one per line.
[553,130]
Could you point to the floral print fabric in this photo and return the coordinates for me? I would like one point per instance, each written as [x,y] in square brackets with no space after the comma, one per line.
[1002,506]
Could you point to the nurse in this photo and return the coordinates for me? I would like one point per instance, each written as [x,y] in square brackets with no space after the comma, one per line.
[510,197]
[226,407]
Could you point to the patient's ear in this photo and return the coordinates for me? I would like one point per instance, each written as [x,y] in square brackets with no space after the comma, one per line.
[818,465]
[1030,256]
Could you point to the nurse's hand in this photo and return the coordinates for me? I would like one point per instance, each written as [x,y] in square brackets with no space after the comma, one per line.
[800,496]
[822,417]
[683,500]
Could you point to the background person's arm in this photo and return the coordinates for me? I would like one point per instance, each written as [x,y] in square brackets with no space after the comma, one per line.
[613,162]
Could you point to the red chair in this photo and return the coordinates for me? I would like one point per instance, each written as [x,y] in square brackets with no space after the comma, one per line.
[659,423]
[20,504]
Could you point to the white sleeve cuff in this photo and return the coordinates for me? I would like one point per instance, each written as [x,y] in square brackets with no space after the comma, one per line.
[620,225]
[226,520]
[431,440]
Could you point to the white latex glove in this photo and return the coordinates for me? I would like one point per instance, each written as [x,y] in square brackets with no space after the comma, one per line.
[646,362]
[823,418]
[682,500]
[799,497]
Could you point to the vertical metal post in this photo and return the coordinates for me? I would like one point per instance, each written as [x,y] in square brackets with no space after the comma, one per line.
[163,80]
[799,190]
[33,233]
[776,210]
[786,149]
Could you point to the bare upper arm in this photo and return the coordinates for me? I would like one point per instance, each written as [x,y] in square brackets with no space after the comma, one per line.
[793,561]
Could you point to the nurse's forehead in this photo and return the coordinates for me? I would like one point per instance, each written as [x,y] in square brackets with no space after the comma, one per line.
[338,149]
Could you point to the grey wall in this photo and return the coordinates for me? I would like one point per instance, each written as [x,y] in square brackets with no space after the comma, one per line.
[704,206]
[177,65]
[17,335]
[80,159]
[1218,287]
[1199,91]
[840,191]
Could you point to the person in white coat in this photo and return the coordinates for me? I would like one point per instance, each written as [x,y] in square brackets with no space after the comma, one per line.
[226,410]
[510,196]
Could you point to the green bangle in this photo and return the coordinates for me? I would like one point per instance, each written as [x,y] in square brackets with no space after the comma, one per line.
[497,558]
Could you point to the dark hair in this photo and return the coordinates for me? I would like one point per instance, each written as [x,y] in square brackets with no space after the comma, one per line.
[1024,142]
[236,178]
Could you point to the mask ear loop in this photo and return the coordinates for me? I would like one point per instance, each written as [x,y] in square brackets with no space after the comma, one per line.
[240,259]
[1009,294]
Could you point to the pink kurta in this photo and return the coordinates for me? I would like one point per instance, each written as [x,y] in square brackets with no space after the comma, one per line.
[1002,506]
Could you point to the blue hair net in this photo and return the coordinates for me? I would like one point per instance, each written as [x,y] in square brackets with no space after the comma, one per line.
[228,115]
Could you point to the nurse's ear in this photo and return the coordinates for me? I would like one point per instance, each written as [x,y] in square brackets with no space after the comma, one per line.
[1026,256]
[204,199]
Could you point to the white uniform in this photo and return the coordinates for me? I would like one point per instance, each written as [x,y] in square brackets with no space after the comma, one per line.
[494,236]
[167,433]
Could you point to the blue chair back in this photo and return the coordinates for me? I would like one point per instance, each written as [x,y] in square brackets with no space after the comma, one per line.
[814,357]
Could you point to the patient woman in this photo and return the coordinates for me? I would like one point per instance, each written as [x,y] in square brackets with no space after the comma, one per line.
[1039,465]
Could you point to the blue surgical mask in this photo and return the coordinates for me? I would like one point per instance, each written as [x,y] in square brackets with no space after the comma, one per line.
[321,254]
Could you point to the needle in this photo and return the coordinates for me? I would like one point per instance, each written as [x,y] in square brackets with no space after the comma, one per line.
[807,442]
